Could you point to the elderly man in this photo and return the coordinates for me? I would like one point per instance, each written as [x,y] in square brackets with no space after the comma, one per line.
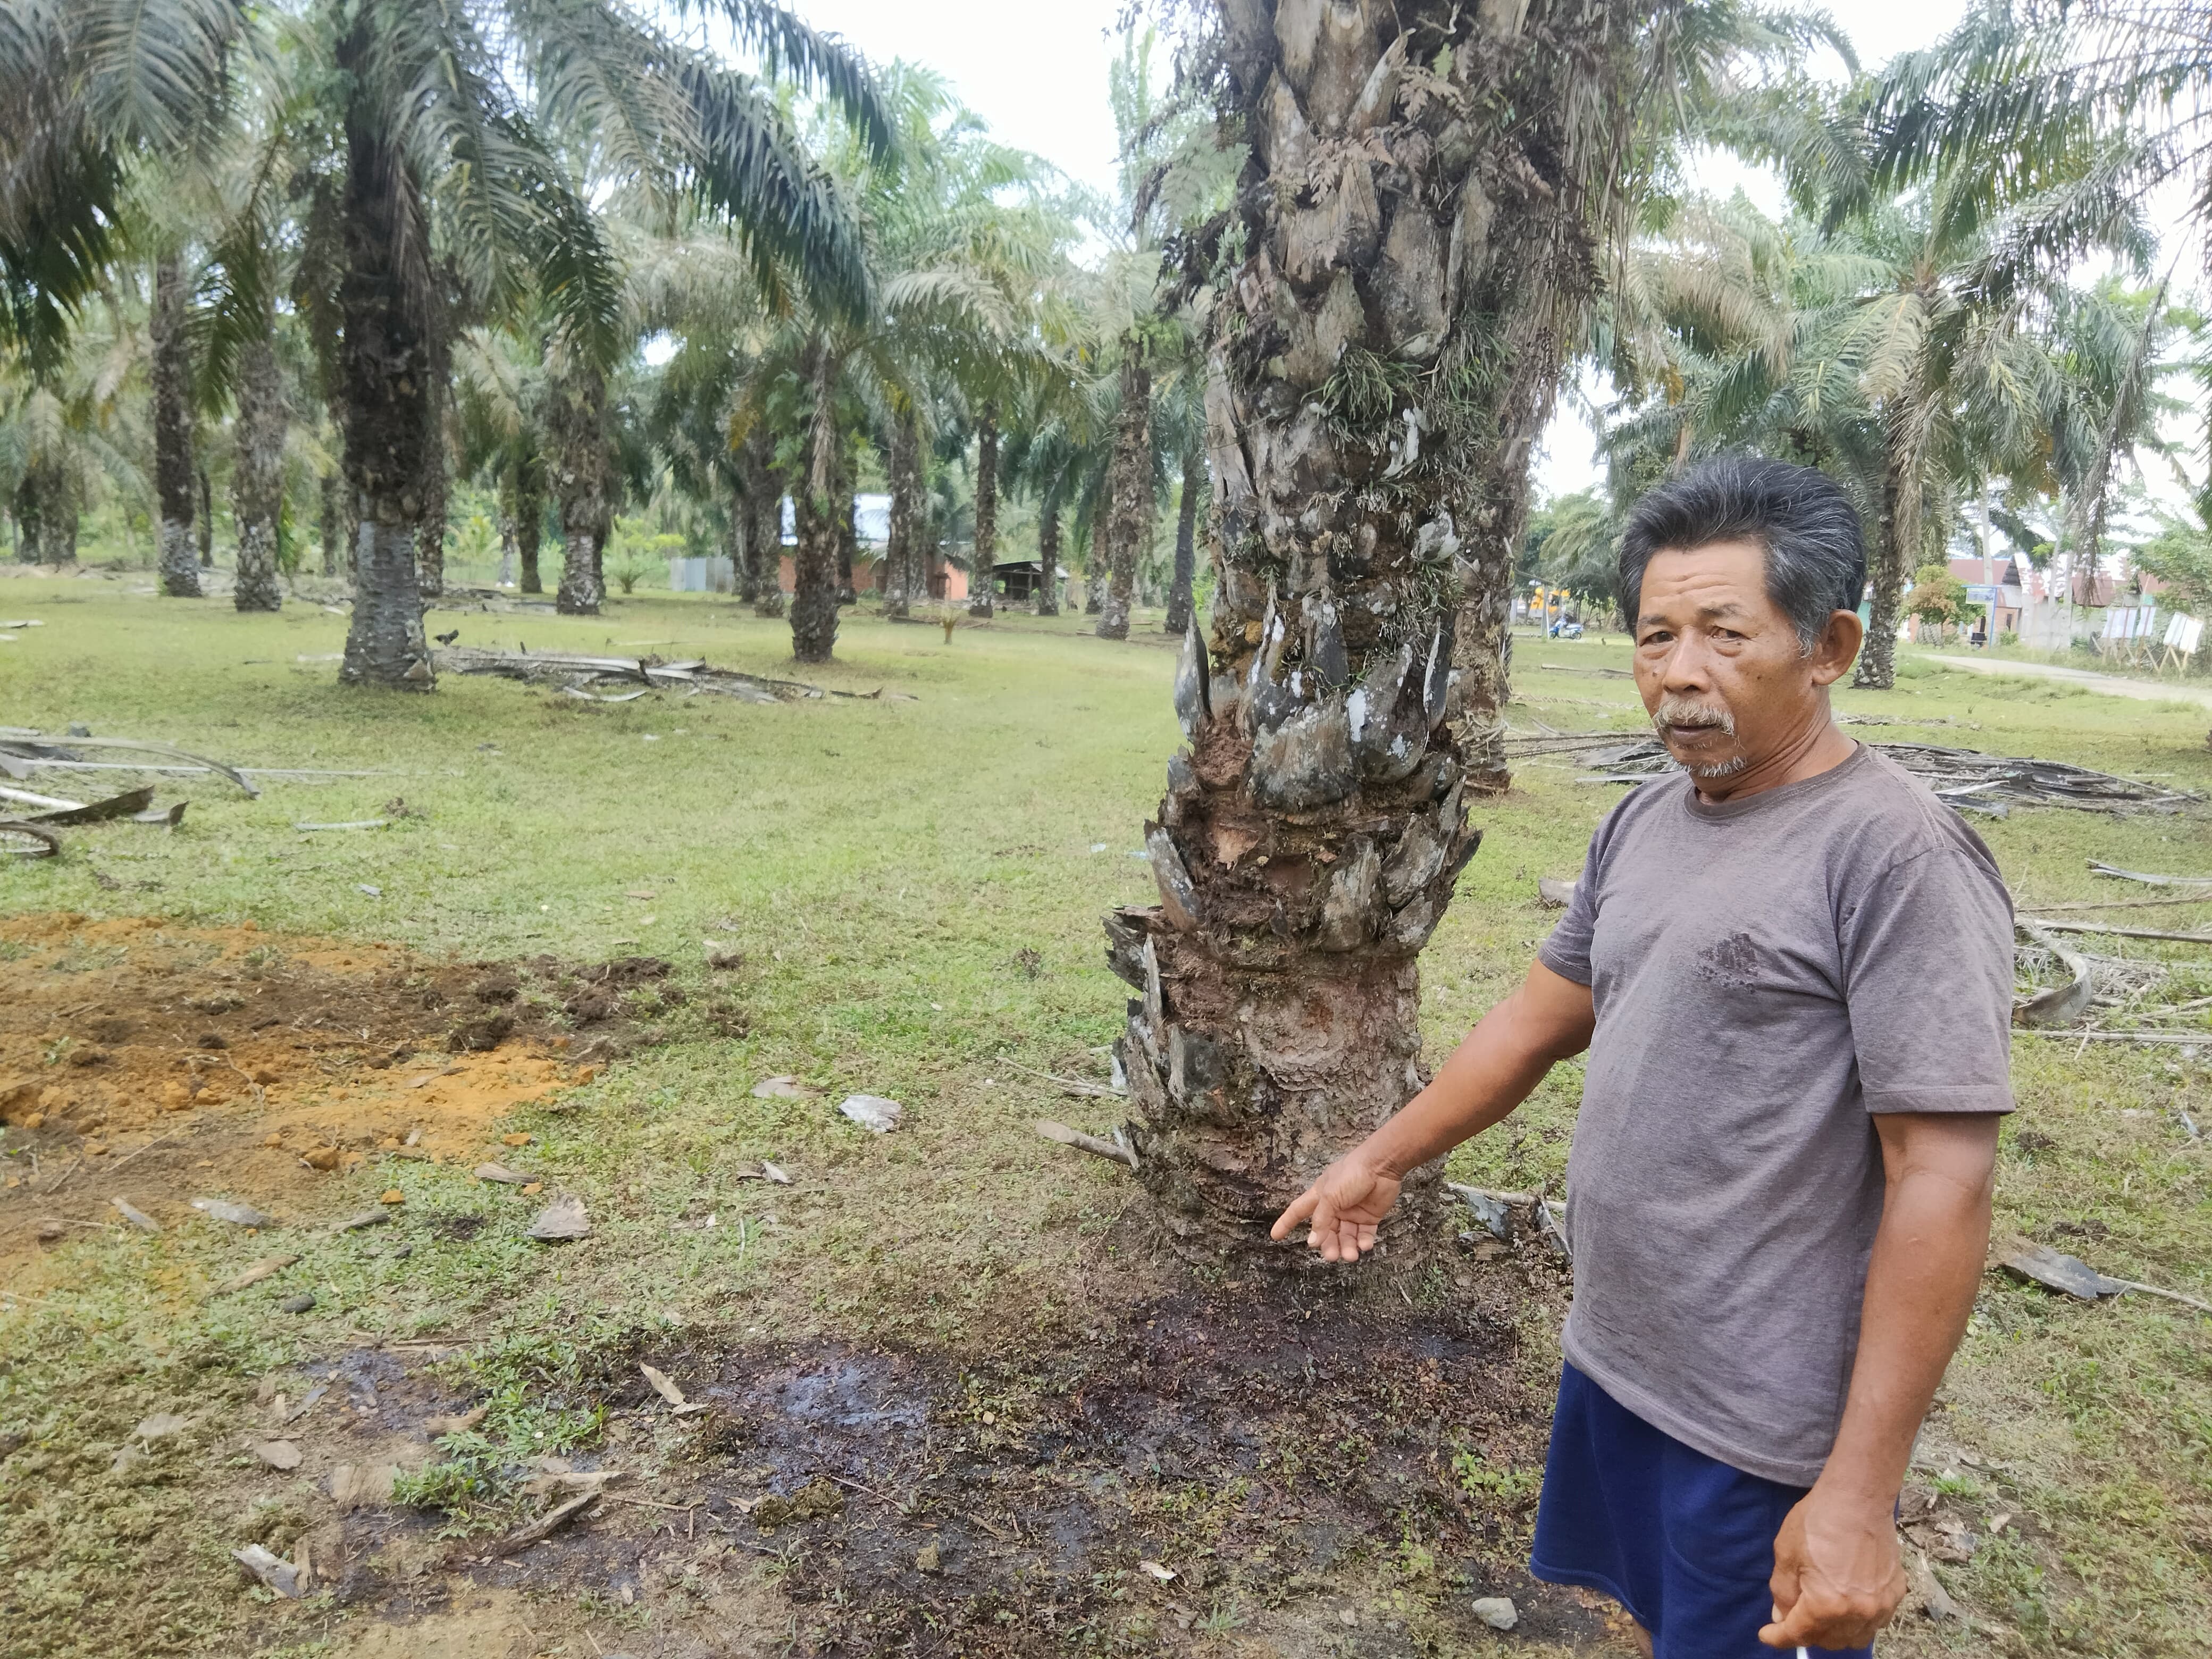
[1792,969]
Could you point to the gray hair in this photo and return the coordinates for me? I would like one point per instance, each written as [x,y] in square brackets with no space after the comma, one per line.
[1815,549]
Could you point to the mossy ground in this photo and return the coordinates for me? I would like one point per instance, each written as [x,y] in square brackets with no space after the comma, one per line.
[915,887]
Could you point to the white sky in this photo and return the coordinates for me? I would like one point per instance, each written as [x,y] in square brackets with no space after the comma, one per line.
[1036,70]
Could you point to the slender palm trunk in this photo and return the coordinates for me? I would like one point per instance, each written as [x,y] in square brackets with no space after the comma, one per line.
[1193,480]
[982,597]
[384,385]
[768,527]
[1048,594]
[841,507]
[814,580]
[902,547]
[745,549]
[203,522]
[763,511]
[751,483]
[257,477]
[578,408]
[1129,491]
[506,577]
[331,517]
[529,523]
[1893,557]
[46,506]
[437,478]
[430,539]
[173,431]
[1413,239]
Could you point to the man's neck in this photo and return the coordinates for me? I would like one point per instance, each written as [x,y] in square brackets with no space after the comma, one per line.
[1818,746]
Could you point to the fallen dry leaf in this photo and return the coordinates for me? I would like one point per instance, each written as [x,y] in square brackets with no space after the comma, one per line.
[267,1267]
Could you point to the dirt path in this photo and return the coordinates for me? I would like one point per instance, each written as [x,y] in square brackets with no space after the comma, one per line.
[2111,685]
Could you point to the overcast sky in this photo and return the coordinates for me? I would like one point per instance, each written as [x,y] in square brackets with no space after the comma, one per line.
[1036,70]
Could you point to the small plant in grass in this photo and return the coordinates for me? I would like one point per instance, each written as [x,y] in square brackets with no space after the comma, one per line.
[1490,1486]
[628,574]
[471,1475]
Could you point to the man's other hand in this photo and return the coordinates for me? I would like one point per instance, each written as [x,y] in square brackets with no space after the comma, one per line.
[1343,1208]
[1837,1576]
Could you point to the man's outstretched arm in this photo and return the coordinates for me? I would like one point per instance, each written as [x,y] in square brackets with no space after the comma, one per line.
[1506,1055]
[1837,1576]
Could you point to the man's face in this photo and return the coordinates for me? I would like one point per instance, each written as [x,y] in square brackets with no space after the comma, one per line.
[1721,672]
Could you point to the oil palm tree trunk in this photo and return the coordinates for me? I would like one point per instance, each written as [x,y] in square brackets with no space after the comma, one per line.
[763,512]
[578,407]
[841,507]
[173,431]
[1193,480]
[982,598]
[814,568]
[902,547]
[1877,668]
[437,492]
[1129,492]
[745,553]
[204,521]
[46,505]
[1048,594]
[1382,359]
[383,385]
[24,508]
[332,516]
[257,479]
[529,523]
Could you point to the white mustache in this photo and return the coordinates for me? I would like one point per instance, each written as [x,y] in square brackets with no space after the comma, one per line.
[1686,711]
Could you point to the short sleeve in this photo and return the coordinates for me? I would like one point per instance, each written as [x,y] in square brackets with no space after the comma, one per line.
[1928,980]
[1567,952]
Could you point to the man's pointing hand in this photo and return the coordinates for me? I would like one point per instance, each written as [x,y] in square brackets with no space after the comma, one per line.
[1343,1208]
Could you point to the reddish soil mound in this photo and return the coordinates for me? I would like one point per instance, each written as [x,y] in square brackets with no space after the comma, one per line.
[162,1062]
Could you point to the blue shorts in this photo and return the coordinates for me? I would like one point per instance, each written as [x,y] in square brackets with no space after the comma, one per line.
[1682,1541]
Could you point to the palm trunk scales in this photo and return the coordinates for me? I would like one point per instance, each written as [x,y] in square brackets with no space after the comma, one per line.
[383,370]
[903,544]
[258,477]
[174,485]
[1129,492]
[981,596]
[1382,358]
[814,578]
[1048,593]
[1194,479]
[578,406]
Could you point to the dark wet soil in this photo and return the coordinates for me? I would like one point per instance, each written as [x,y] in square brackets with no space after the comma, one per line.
[1278,1458]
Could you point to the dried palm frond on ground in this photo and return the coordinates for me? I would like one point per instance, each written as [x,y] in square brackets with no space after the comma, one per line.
[1964,778]
[577,672]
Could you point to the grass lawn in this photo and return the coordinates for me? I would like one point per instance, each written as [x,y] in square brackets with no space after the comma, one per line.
[960,1339]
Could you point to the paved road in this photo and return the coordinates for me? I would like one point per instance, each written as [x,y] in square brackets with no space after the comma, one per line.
[2111,686]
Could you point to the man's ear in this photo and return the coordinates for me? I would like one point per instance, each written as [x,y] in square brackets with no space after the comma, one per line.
[1839,646]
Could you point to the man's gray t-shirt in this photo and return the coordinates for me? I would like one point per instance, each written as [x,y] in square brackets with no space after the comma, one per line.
[1766,973]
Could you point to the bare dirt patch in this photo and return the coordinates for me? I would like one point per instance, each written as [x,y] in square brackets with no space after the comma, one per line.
[161,1062]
